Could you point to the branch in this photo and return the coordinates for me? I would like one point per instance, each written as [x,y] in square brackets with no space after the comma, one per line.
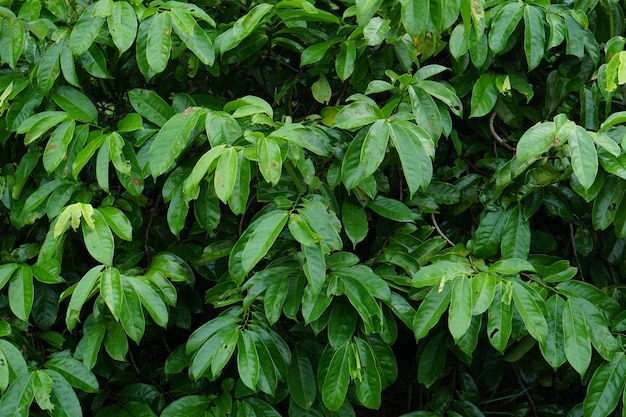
[497,137]
[439,231]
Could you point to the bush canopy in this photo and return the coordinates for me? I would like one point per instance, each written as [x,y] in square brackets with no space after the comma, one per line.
[312,208]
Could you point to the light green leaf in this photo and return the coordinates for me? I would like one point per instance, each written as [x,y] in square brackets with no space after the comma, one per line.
[357,114]
[172,139]
[552,347]
[577,343]
[117,221]
[247,360]
[111,291]
[270,159]
[503,25]
[584,157]
[430,311]
[122,23]
[605,387]
[56,148]
[262,237]
[409,141]
[484,95]
[483,292]
[335,386]
[195,39]
[188,406]
[159,41]
[226,174]
[74,372]
[374,147]
[354,221]
[414,16]
[391,209]
[22,292]
[516,235]
[460,311]
[12,40]
[534,35]
[85,31]
[532,308]
[99,239]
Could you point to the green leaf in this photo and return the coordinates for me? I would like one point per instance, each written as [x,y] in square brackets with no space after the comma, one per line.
[94,62]
[503,25]
[159,41]
[12,40]
[18,398]
[99,239]
[344,64]
[516,235]
[483,292]
[131,316]
[316,52]
[584,157]
[499,322]
[409,141]
[605,387]
[42,388]
[85,31]
[189,406]
[56,148]
[226,174]
[82,292]
[484,95]
[374,147]
[301,379]
[75,104]
[21,292]
[195,39]
[335,386]
[426,111]
[354,221]
[117,221]
[247,360]
[35,126]
[577,343]
[534,142]
[432,360]
[63,396]
[122,23]
[48,69]
[314,267]
[532,308]
[270,159]
[430,310]
[150,106]
[414,16]
[341,323]
[534,35]
[301,231]
[172,139]
[263,234]
[321,90]
[391,209]
[460,311]
[111,291]
[369,386]
[511,266]
[75,373]
[552,347]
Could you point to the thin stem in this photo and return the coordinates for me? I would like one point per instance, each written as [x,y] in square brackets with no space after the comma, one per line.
[439,231]
[495,135]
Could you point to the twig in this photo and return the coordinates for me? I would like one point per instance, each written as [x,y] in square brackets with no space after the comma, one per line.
[580,268]
[495,135]
[521,384]
[439,231]
[148,226]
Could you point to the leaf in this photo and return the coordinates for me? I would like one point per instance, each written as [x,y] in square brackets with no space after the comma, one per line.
[321,90]
[172,139]
[12,39]
[503,25]
[409,139]
[111,291]
[301,379]
[484,95]
[534,35]
[432,360]
[75,104]
[552,347]
[354,221]
[56,148]
[532,308]
[369,387]
[75,373]
[460,311]
[82,292]
[131,315]
[413,15]
[159,41]
[150,106]
[426,111]
[195,39]
[374,147]
[511,266]
[18,397]
[314,267]
[263,234]
[391,209]
[605,386]
[584,157]
[247,360]
[344,64]
[226,174]
[342,323]
[534,142]
[94,62]
[335,386]
[122,24]
[117,221]
[516,236]
[499,322]
[483,292]
[99,239]
[430,311]
[42,388]
[577,344]
[189,406]
[270,159]
[48,69]
[85,31]
[21,292]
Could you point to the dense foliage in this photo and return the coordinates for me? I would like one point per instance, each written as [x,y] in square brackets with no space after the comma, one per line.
[256,209]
